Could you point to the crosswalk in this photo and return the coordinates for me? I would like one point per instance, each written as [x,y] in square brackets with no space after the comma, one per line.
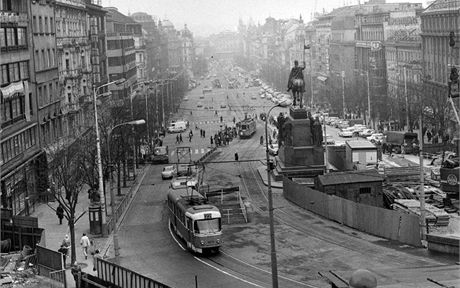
[194,151]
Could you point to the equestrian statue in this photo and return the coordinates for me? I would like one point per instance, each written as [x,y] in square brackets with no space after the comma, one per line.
[296,83]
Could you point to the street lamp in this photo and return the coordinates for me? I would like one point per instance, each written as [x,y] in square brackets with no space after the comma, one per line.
[270,203]
[98,153]
[112,196]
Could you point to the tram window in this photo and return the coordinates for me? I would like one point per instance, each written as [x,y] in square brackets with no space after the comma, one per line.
[207,226]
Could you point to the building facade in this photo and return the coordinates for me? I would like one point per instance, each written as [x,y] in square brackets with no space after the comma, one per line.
[403,55]
[437,21]
[21,157]
[121,53]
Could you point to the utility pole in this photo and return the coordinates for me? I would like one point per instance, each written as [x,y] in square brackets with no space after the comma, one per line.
[343,93]
[368,97]
[407,100]
[422,183]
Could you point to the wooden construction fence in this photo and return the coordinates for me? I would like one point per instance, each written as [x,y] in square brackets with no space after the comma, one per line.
[389,224]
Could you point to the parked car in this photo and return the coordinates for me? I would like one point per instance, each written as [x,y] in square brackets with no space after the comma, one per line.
[376,137]
[273,149]
[346,132]
[168,172]
[358,128]
[329,140]
[366,133]
[183,182]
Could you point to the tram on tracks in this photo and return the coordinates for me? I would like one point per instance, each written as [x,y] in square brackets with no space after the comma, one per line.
[196,222]
[246,128]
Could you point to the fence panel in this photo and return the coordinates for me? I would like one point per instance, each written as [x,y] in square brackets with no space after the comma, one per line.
[58,279]
[123,277]
[410,229]
[48,261]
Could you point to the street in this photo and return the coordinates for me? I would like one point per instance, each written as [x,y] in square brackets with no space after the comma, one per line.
[306,244]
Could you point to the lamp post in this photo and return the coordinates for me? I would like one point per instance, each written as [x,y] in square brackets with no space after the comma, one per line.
[270,204]
[112,194]
[98,154]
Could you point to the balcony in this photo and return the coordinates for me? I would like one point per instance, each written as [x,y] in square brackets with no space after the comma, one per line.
[69,74]
[71,108]
[19,18]
[62,42]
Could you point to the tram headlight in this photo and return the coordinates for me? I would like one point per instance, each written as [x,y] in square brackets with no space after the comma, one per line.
[202,242]
[218,241]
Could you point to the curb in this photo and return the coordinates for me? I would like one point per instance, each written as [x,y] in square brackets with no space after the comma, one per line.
[109,241]
[262,173]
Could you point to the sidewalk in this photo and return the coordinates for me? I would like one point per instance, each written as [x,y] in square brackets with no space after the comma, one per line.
[263,175]
[55,233]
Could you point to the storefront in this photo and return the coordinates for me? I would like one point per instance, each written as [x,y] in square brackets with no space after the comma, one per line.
[21,188]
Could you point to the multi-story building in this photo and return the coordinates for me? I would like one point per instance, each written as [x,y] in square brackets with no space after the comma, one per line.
[151,41]
[22,161]
[188,50]
[342,80]
[225,44]
[174,47]
[403,55]
[121,53]
[74,63]
[139,46]
[438,20]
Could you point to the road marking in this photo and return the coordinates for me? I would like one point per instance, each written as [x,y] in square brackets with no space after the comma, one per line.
[196,151]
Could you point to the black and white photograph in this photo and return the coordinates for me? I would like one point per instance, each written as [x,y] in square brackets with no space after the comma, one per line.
[229,143]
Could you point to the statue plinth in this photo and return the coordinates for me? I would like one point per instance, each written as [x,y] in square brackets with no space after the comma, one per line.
[301,152]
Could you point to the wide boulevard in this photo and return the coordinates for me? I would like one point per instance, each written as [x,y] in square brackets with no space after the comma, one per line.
[306,244]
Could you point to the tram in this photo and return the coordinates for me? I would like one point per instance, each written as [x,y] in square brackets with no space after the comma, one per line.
[246,128]
[196,222]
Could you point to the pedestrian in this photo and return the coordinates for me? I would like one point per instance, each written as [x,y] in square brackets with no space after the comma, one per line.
[190,138]
[429,135]
[180,138]
[97,255]
[177,139]
[85,243]
[66,242]
[221,119]
[76,273]
[204,133]
[60,213]
[234,120]
[63,250]
[212,142]
[390,150]
[261,140]
[201,133]
[236,157]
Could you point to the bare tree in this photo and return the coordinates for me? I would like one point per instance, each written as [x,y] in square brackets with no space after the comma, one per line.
[67,170]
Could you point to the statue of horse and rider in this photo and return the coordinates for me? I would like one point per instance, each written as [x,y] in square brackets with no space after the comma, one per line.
[296,83]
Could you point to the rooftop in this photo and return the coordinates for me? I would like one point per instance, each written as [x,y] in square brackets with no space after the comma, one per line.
[360,144]
[348,177]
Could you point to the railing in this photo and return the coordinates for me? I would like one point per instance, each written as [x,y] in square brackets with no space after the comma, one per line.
[70,73]
[242,207]
[71,41]
[59,279]
[123,277]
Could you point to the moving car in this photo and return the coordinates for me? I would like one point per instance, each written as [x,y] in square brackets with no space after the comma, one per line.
[160,155]
[168,172]
[329,140]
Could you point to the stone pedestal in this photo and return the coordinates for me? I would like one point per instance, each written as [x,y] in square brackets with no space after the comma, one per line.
[298,156]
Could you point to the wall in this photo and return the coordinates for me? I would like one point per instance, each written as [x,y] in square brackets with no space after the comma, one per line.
[389,224]
[352,192]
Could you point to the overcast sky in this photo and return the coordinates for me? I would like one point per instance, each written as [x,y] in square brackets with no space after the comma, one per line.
[204,17]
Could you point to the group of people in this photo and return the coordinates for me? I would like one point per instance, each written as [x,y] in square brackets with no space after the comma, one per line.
[222,138]
[87,247]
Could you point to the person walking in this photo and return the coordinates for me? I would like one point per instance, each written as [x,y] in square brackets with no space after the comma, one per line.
[204,133]
[177,139]
[212,142]
[63,250]
[180,138]
[429,135]
[85,243]
[60,213]
[95,256]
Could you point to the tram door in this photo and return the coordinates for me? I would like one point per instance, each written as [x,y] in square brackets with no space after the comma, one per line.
[190,228]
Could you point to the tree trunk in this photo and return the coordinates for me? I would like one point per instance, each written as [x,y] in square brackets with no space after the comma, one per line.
[73,254]
[119,179]
[124,171]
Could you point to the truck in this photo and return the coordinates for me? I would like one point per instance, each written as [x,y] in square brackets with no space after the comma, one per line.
[402,142]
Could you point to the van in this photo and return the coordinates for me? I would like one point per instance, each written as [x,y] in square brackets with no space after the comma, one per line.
[177,127]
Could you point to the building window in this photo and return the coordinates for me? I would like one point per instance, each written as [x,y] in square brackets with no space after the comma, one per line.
[24,69]
[22,37]
[51,25]
[11,39]
[2,38]
[43,59]
[40,24]
[365,190]
[46,25]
